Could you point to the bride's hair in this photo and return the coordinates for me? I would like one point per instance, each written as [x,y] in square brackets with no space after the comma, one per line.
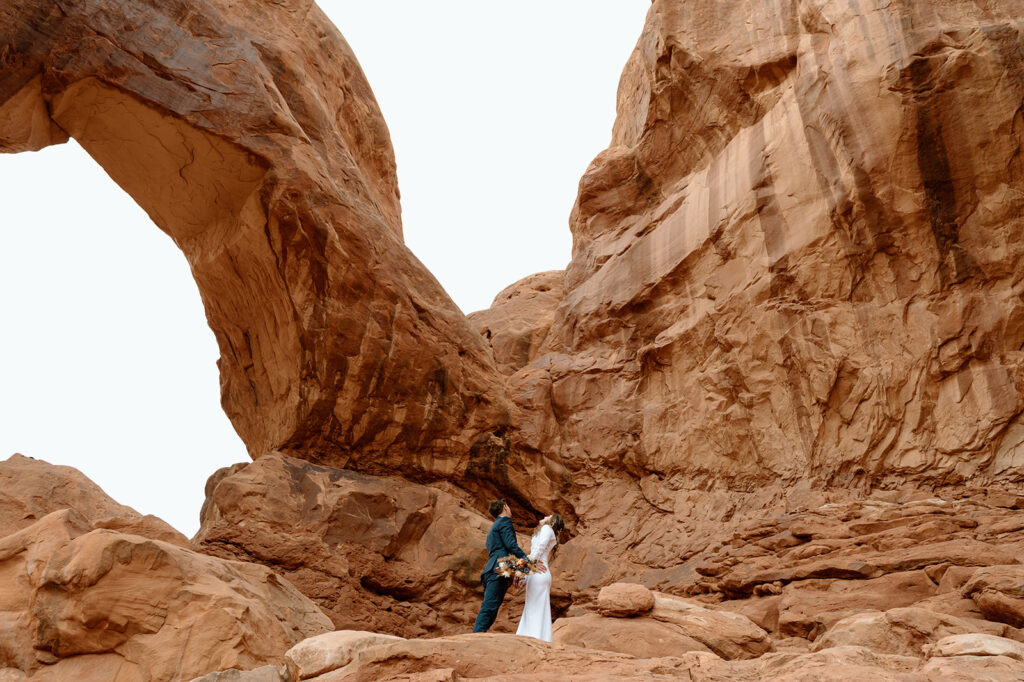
[556,523]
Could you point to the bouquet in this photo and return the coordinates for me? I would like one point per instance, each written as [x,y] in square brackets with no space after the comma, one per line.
[514,567]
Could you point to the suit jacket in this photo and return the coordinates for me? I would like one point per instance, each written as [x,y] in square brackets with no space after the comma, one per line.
[501,541]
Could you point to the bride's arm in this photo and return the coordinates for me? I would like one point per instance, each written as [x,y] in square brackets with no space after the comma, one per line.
[545,539]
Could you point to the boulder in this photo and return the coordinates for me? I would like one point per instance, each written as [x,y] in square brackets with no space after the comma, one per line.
[378,554]
[329,651]
[904,631]
[640,637]
[96,604]
[730,635]
[625,600]
[976,645]
[31,488]
[999,593]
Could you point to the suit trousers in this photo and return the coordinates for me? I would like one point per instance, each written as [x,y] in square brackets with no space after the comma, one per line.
[494,593]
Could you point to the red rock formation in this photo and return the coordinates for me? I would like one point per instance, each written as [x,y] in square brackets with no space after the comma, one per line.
[378,554]
[998,592]
[361,656]
[517,323]
[796,278]
[249,134]
[31,488]
[652,625]
[639,637]
[800,257]
[840,574]
[797,268]
[906,632]
[82,601]
[625,600]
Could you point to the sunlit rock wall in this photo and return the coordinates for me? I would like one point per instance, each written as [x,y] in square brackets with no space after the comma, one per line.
[800,258]
[796,274]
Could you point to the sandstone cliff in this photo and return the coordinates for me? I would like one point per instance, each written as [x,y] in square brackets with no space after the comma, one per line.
[800,257]
[796,268]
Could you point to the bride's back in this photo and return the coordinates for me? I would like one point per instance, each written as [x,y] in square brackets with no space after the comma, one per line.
[542,542]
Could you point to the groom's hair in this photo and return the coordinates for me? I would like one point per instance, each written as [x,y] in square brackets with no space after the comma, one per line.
[496,507]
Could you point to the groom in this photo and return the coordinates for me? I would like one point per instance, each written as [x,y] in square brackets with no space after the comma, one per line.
[501,541]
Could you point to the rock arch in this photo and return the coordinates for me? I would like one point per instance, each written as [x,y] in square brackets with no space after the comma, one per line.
[248,133]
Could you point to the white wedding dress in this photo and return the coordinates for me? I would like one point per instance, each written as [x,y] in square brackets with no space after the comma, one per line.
[536,620]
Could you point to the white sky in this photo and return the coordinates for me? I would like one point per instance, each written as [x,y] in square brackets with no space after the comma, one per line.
[106,361]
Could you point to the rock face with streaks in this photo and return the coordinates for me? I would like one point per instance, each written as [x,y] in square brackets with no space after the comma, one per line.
[518,321]
[796,271]
[800,256]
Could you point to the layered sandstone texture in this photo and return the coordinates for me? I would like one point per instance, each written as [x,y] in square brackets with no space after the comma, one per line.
[86,594]
[796,273]
[921,589]
[914,590]
[801,256]
[353,656]
[31,488]
[249,134]
[375,553]
[893,577]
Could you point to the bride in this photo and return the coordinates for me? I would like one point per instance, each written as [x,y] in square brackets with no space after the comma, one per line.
[536,619]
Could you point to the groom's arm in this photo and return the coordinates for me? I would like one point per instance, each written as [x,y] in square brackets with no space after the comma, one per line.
[508,538]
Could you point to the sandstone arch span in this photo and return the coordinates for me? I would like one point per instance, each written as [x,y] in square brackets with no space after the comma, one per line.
[249,134]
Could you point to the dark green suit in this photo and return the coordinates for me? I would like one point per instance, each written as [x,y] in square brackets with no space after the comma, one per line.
[501,541]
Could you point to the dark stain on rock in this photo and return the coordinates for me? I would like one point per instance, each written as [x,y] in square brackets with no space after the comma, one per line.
[488,460]
[955,264]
